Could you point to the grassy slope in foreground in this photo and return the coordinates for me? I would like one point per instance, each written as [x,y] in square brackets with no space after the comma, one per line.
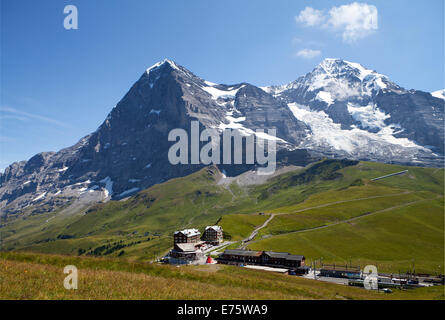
[38,276]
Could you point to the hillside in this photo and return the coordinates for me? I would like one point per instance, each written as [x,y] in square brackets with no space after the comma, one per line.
[37,276]
[395,223]
[352,218]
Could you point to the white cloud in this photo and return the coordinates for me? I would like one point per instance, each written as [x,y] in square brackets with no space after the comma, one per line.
[308,53]
[310,17]
[353,21]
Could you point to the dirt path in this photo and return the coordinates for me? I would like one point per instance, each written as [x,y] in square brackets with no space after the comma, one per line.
[255,232]
[344,201]
[248,240]
[231,192]
[354,218]
[358,217]
[217,249]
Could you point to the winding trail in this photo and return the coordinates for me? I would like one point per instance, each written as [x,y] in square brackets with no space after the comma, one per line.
[345,201]
[248,240]
[255,232]
[358,217]
[352,219]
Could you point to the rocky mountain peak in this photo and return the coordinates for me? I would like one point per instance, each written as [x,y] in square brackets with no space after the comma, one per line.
[167,66]
[333,66]
[340,109]
[336,71]
[337,68]
[165,62]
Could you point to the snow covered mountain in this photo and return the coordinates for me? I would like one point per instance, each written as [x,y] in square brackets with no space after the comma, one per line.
[360,113]
[340,109]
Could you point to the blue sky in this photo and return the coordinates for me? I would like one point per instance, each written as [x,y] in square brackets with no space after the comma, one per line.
[58,85]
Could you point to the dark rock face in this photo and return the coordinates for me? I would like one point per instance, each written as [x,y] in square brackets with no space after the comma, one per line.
[419,114]
[128,152]
[262,110]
